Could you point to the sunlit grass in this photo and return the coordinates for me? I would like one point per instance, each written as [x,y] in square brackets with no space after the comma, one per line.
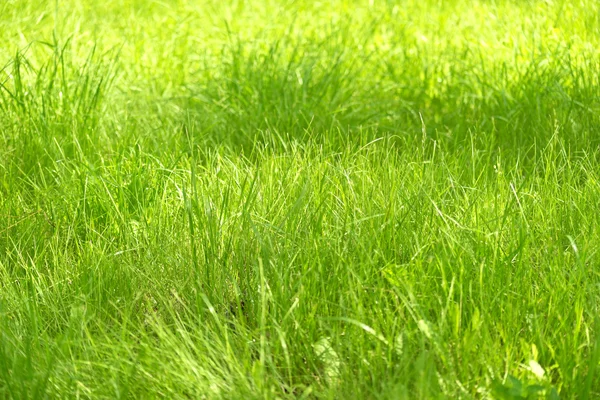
[299,199]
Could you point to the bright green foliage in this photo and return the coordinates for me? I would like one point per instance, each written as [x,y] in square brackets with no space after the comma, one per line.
[299,199]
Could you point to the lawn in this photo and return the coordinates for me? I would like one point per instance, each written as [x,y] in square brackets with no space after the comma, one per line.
[298,199]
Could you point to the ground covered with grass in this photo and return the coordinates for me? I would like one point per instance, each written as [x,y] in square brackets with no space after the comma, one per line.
[299,199]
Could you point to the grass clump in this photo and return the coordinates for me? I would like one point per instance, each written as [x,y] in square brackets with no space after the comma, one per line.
[299,200]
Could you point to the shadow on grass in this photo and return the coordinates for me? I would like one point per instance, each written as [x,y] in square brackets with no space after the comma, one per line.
[329,93]
[332,91]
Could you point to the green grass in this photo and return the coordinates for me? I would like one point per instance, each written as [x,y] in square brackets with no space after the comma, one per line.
[297,199]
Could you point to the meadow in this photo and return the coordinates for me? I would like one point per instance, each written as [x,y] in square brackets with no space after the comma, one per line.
[300,199]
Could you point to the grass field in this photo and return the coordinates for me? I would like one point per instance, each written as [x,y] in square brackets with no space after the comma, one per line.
[299,199]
